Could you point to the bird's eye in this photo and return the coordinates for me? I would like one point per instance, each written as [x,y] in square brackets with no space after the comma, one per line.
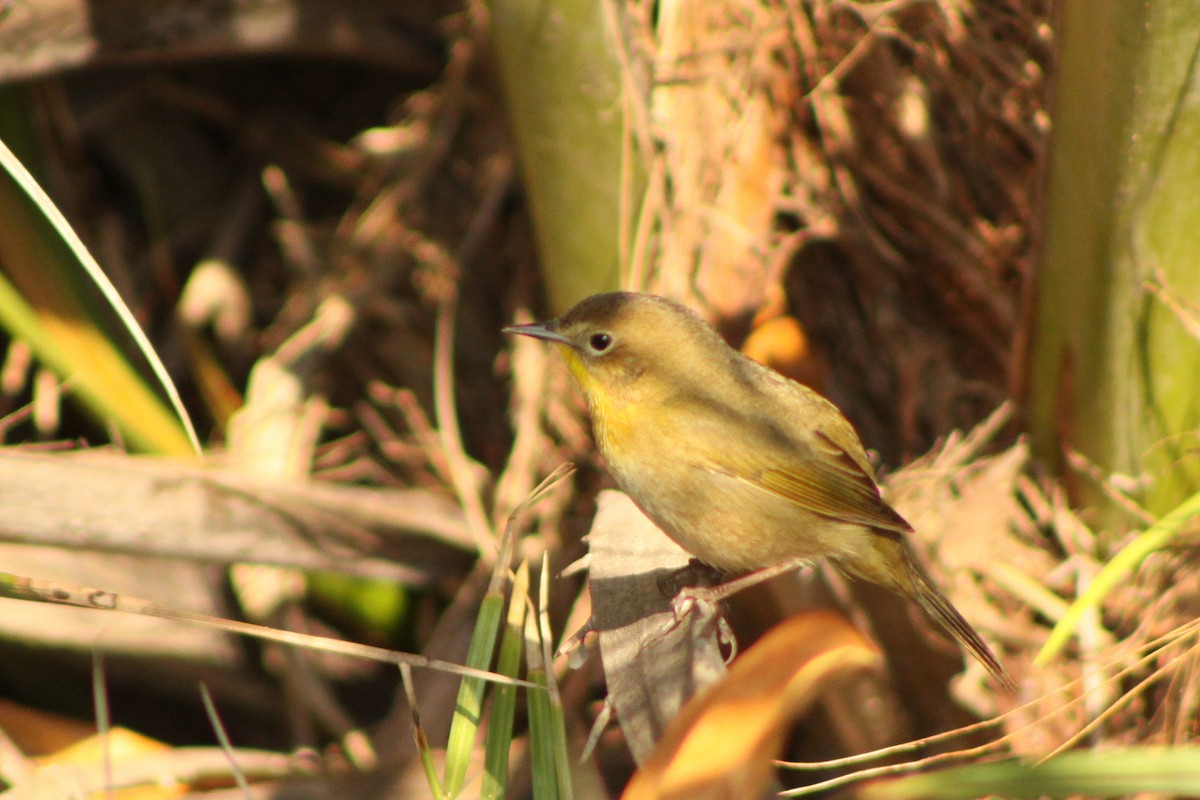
[599,342]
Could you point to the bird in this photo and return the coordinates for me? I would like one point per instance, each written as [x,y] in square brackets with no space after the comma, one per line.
[742,467]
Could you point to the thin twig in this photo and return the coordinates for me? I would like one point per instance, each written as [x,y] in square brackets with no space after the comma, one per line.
[449,433]
[210,709]
[1153,650]
[45,591]
[103,722]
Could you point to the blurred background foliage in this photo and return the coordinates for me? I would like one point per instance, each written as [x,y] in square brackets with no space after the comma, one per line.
[322,214]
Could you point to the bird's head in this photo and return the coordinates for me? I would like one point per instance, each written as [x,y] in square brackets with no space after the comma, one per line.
[623,344]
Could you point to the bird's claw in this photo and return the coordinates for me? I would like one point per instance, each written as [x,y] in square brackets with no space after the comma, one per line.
[704,601]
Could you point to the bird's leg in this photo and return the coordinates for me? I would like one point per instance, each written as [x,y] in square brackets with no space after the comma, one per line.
[696,587]
[695,575]
[705,598]
[690,596]
[707,611]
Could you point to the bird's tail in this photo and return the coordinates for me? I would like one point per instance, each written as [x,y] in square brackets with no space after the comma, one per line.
[892,563]
[939,607]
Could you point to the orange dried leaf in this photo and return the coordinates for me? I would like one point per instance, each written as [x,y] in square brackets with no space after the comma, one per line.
[722,744]
[781,344]
[118,744]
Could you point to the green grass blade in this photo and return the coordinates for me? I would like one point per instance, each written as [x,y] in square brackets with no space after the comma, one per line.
[469,708]
[423,750]
[1118,568]
[465,725]
[558,723]
[504,699]
[54,295]
[1110,773]
[547,727]
[541,719]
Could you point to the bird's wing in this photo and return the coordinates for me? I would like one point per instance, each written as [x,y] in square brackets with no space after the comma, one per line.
[829,482]
[814,459]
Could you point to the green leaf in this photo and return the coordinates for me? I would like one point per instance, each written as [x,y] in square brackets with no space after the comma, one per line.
[468,710]
[562,78]
[504,698]
[54,296]
[1118,568]
[1106,773]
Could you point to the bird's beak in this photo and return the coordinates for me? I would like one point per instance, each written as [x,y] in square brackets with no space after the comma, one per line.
[540,330]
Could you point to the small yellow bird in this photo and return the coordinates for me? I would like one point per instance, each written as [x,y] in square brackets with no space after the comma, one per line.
[742,467]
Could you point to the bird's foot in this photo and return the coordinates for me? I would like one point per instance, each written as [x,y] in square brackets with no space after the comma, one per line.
[713,593]
[697,589]
[705,602]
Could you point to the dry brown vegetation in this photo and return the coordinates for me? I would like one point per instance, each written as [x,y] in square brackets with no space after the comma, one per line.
[850,191]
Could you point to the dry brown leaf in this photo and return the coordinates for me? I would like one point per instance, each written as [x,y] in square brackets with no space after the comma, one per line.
[652,665]
[723,743]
